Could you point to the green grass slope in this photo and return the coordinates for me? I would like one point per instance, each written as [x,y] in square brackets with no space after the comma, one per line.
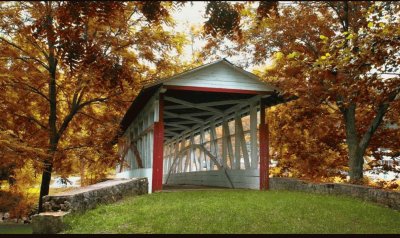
[237,211]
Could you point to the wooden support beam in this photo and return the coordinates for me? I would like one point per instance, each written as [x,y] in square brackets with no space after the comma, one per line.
[137,155]
[208,104]
[228,142]
[224,146]
[183,116]
[253,136]
[176,125]
[192,154]
[242,108]
[173,129]
[193,105]
[238,122]
[264,149]
[218,90]
[181,122]
[242,139]
[193,114]
[213,143]
[158,145]
[171,133]
[202,158]
[187,159]
[143,133]
[180,164]
[199,114]
[171,156]
[176,151]
[165,159]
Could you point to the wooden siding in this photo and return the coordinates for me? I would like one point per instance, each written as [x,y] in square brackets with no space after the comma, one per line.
[138,173]
[240,178]
[141,133]
[219,75]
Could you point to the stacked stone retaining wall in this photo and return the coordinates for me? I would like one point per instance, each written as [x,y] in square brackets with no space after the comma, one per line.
[388,198]
[58,206]
[87,198]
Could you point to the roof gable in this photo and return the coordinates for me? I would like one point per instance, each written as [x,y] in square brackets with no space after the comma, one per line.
[219,74]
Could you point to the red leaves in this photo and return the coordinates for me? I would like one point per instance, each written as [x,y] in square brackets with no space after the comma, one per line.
[223,20]
[154,11]
[104,52]
[267,8]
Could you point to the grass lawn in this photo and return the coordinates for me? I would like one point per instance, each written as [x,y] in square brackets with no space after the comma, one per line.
[237,211]
[12,228]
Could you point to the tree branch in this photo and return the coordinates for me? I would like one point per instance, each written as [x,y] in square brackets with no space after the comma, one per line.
[38,46]
[19,48]
[91,117]
[34,90]
[75,109]
[382,109]
[30,118]
[96,100]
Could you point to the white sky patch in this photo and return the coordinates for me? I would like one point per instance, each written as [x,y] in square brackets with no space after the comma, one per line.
[192,14]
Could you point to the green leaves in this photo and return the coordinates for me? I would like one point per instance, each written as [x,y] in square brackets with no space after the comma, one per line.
[292,55]
[350,36]
[324,39]
[278,55]
[324,57]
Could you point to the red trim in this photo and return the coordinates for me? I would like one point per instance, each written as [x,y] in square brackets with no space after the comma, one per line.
[264,149]
[158,148]
[219,90]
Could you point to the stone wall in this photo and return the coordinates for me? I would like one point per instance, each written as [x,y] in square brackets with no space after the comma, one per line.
[86,198]
[388,198]
[79,200]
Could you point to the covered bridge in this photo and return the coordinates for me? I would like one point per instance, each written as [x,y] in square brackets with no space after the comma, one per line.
[206,126]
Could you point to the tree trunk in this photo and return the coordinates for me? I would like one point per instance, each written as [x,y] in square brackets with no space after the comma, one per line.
[356,162]
[45,184]
[53,134]
[356,159]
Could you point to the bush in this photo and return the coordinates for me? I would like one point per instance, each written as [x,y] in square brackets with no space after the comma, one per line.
[9,200]
[16,204]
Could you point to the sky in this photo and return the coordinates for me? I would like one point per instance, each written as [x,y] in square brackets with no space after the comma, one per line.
[193,14]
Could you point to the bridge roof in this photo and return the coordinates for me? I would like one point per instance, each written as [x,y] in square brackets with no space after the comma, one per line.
[220,80]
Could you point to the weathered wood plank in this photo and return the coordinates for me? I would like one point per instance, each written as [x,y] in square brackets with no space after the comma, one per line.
[137,155]
[193,105]
[202,158]
[253,136]
[228,142]
[237,162]
[213,143]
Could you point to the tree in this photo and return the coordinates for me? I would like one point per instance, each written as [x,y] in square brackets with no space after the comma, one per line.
[344,55]
[70,69]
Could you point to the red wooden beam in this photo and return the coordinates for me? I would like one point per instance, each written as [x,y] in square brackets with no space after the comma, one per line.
[219,90]
[264,149]
[158,147]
